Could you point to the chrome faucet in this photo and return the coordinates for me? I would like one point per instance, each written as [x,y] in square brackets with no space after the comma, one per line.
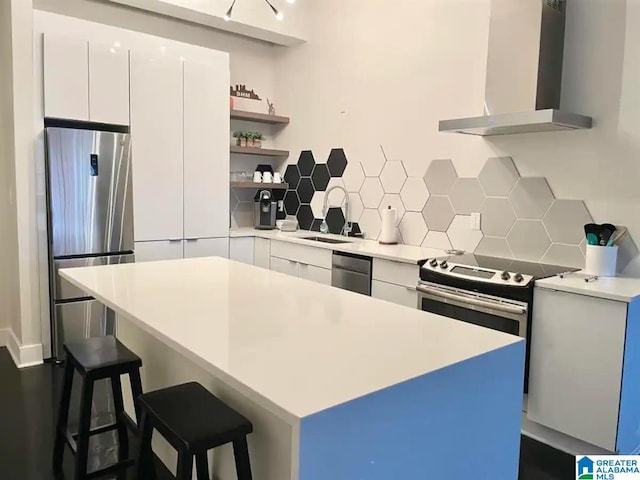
[346,229]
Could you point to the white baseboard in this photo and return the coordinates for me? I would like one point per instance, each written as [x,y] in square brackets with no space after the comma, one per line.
[23,355]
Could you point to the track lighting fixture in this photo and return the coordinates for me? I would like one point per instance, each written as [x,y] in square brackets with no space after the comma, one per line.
[276,12]
[279,15]
[227,16]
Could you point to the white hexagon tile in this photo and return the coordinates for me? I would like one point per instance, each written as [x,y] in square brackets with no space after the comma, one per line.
[414,194]
[412,228]
[461,236]
[371,192]
[353,176]
[355,207]
[440,177]
[370,223]
[531,197]
[494,247]
[393,177]
[565,221]
[497,217]
[393,201]
[317,204]
[498,176]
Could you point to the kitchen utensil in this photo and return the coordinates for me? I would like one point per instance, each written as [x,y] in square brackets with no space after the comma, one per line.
[618,236]
[606,231]
[592,232]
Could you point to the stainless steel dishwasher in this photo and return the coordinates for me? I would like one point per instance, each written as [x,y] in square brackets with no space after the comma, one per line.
[351,272]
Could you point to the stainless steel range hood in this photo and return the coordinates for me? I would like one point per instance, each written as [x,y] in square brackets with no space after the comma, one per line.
[524,72]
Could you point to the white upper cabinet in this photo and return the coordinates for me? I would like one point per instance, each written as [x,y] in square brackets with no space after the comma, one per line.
[206,149]
[157,144]
[66,78]
[108,84]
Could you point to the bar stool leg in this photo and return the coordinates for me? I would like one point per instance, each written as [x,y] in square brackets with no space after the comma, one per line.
[241,454]
[185,466]
[84,429]
[144,467]
[136,391]
[123,437]
[63,417]
[202,466]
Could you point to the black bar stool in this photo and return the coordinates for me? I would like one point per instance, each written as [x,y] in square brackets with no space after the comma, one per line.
[193,421]
[96,359]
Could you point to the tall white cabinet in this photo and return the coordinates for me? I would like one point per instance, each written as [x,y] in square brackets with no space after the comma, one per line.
[179,128]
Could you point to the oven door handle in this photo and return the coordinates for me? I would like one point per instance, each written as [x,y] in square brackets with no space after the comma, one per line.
[497,306]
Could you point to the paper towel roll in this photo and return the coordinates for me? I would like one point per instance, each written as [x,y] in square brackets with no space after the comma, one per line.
[388,228]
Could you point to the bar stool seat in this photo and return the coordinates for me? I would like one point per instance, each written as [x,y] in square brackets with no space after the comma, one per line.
[96,359]
[193,421]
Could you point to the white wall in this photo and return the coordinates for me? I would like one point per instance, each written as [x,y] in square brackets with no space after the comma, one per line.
[9,278]
[381,72]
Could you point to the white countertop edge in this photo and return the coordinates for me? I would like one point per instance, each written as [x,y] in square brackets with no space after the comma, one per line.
[272,407]
[397,253]
[620,289]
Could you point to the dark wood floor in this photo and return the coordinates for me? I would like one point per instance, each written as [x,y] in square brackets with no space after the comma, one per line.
[28,408]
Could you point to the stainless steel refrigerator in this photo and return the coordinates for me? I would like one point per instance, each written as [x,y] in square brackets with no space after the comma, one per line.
[90,215]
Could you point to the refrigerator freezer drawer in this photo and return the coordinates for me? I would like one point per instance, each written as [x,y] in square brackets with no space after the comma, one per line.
[79,320]
[63,290]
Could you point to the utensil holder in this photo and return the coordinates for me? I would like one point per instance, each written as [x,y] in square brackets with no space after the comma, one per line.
[601,261]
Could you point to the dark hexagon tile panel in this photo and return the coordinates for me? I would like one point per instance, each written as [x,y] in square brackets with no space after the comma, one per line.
[305,217]
[335,220]
[305,190]
[292,176]
[315,226]
[291,202]
[306,162]
[337,162]
[264,168]
[320,177]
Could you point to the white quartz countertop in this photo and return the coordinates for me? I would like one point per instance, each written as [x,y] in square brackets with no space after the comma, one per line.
[621,289]
[371,248]
[302,346]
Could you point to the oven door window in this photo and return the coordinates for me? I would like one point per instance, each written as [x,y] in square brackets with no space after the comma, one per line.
[475,317]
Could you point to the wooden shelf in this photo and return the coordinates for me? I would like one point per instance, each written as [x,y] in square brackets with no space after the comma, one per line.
[265,152]
[266,186]
[259,117]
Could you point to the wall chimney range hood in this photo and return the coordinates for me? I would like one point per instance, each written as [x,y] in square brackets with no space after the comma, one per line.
[524,72]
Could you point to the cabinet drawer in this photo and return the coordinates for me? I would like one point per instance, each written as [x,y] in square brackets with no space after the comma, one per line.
[397,294]
[405,274]
[319,257]
[284,266]
[241,250]
[315,274]
[262,253]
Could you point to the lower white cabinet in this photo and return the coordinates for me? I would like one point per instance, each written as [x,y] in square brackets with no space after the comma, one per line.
[262,253]
[398,294]
[290,267]
[242,249]
[206,247]
[577,348]
[315,274]
[160,250]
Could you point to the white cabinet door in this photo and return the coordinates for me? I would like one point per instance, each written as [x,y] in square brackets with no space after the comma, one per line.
[398,294]
[108,84]
[241,250]
[577,345]
[66,78]
[315,274]
[262,253]
[206,149]
[156,133]
[206,247]
[153,251]
[284,266]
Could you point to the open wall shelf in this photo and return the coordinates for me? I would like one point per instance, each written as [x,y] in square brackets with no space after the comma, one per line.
[265,152]
[259,185]
[259,117]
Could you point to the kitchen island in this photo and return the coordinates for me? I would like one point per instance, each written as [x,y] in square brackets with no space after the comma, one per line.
[338,385]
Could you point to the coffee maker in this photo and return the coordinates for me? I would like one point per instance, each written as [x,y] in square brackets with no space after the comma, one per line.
[264,210]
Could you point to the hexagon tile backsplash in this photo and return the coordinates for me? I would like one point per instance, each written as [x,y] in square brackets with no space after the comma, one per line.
[520,217]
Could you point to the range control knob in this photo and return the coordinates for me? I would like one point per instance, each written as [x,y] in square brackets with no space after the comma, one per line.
[433,262]
[518,278]
[444,264]
[505,276]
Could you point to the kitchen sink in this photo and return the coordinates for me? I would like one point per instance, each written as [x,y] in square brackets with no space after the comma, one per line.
[325,240]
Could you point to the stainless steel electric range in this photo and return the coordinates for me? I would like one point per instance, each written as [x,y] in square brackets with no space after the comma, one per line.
[491,292]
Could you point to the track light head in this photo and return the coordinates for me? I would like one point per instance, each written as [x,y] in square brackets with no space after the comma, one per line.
[279,15]
[227,16]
